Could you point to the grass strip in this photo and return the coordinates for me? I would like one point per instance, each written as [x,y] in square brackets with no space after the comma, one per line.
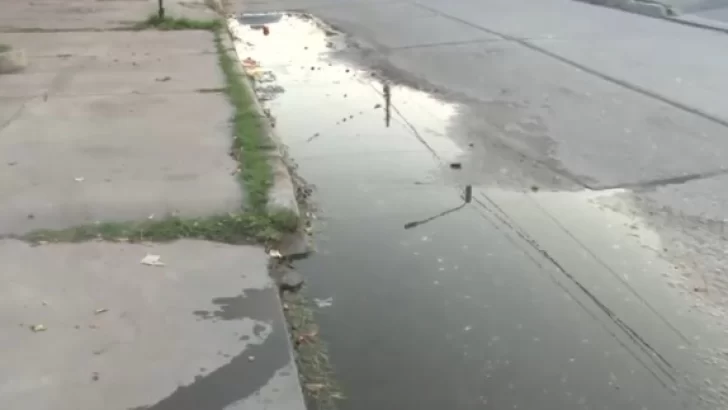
[177,23]
[250,147]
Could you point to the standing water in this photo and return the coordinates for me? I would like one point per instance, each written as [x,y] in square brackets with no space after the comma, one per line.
[514,300]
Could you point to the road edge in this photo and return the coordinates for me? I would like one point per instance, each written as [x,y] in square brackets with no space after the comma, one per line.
[659,11]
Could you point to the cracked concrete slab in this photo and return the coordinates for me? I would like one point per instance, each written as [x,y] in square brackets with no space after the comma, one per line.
[60,15]
[204,331]
[139,117]
[64,15]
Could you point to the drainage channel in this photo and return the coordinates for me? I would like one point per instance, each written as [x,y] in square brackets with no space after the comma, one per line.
[511,300]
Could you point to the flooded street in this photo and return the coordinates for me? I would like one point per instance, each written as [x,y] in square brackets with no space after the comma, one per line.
[532,294]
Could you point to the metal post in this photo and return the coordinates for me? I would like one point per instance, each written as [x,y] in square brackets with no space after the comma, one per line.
[161,9]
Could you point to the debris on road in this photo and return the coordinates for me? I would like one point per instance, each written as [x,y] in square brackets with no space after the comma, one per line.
[79,179]
[324,303]
[274,253]
[38,328]
[100,311]
[291,280]
[456,165]
[250,63]
[152,260]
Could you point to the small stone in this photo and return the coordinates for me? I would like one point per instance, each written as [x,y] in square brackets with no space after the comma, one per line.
[291,280]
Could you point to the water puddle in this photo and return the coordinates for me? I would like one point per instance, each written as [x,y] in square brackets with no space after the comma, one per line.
[514,298]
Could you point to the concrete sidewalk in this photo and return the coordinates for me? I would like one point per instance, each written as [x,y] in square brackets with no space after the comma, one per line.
[139,116]
[117,126]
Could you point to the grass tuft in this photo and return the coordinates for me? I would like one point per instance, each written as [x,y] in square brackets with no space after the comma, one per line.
[316,373]
[174,23]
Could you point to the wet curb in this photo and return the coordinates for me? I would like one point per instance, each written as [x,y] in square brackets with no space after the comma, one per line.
[659,11]
[282,194]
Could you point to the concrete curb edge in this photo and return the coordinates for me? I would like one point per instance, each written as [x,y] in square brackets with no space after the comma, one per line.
[282,194]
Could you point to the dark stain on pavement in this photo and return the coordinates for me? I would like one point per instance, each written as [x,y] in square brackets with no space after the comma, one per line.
[247,372]
[250,304]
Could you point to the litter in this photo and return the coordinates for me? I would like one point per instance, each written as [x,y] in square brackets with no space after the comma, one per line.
[79,179]
[314,387]
[250,63]
[100,311]
[274,253]
[152,260]
[38,328]
[254,72]
[323,303]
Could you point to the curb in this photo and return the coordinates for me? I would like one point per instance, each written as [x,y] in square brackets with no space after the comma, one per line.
[282,194]
[659,11]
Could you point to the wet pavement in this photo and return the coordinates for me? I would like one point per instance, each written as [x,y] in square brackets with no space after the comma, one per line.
[534,294]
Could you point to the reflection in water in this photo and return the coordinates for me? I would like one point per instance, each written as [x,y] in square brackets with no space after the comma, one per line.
[410,225]
[521,300]
[387,104]
[468,196]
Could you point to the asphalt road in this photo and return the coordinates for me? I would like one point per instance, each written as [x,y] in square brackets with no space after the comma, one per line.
[532,296]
